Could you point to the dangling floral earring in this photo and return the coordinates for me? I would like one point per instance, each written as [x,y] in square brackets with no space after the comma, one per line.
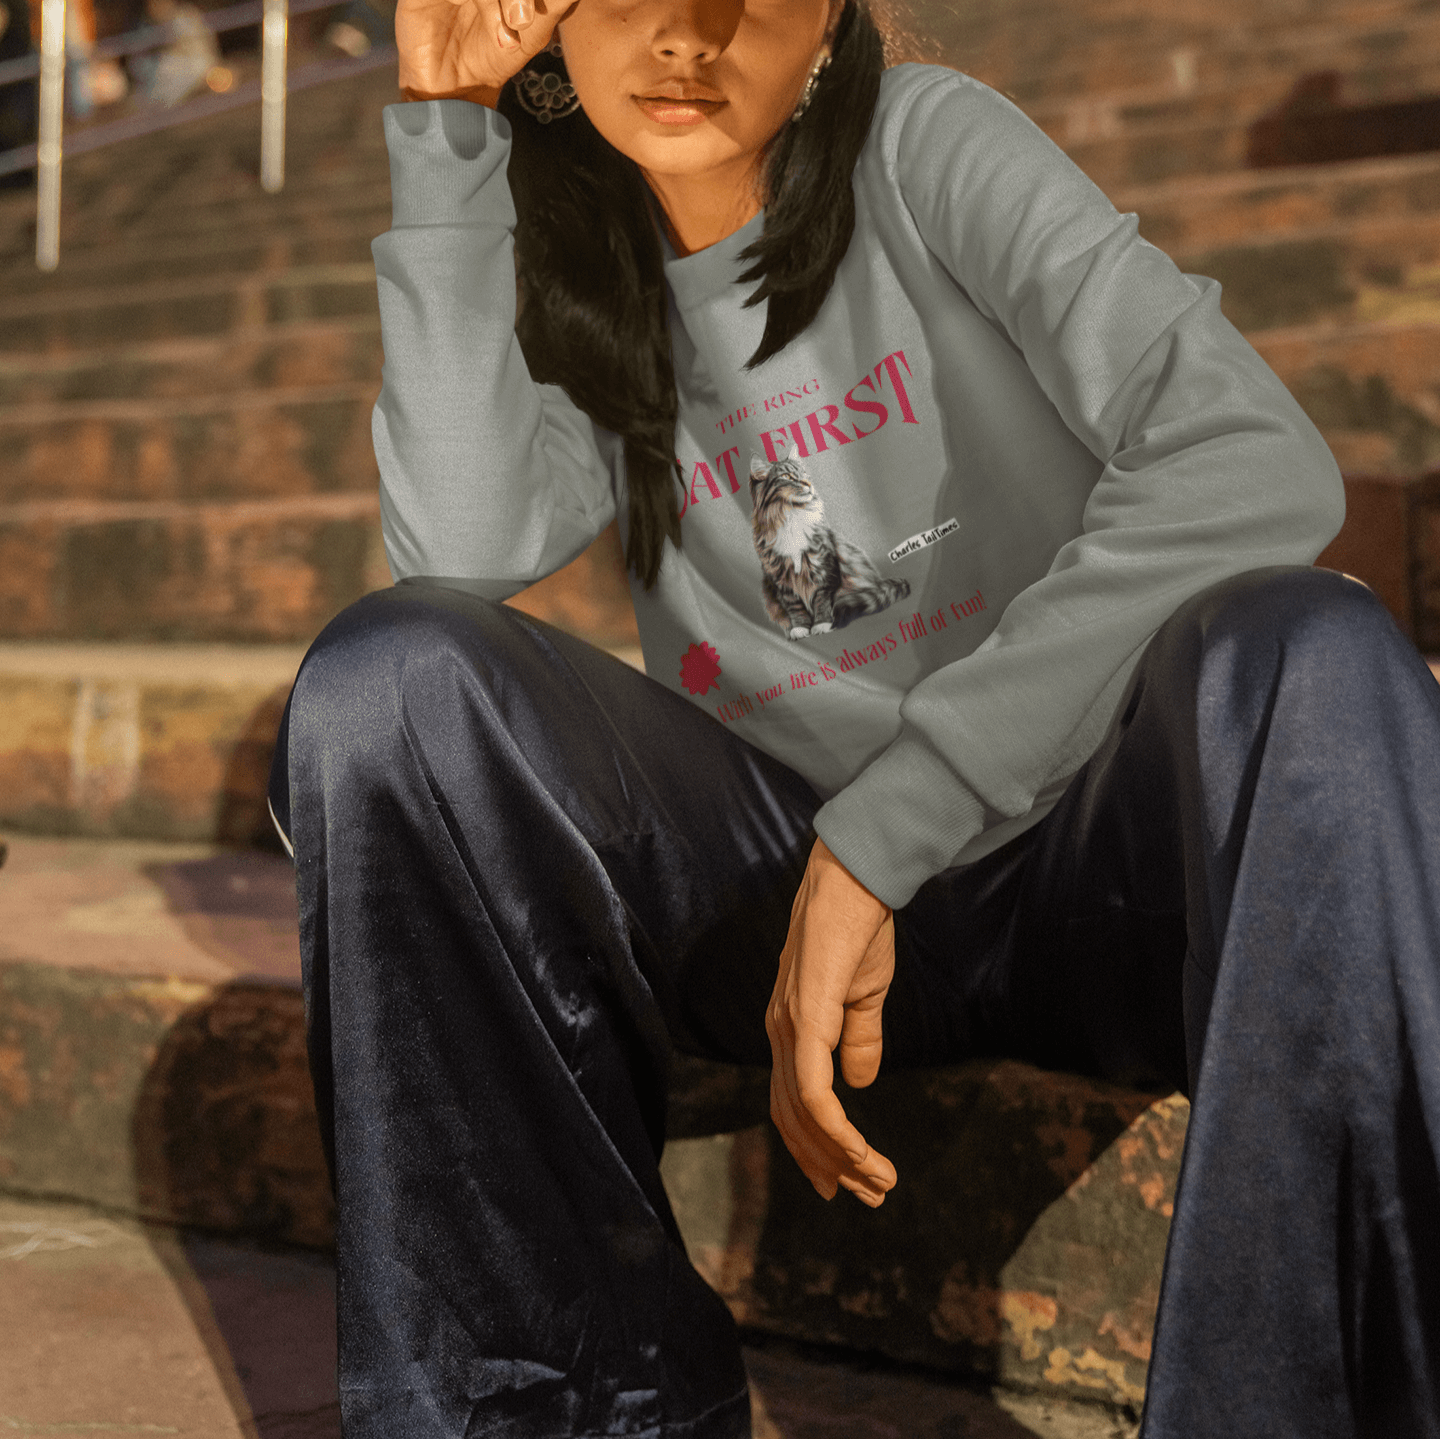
[547,95]
[808,93]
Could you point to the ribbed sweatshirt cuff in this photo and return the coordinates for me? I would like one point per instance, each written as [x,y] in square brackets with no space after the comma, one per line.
[903,819]
[443,156]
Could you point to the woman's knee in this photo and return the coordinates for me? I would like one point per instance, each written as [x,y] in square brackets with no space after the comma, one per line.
[1299,604]
[1301,623]
[383,665]
[367,657]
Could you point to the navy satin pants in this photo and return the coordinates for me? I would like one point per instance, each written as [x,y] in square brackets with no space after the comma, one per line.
[524,870]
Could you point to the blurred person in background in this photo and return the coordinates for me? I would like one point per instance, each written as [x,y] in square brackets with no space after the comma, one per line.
[20,100]
[178,70]
[364,25]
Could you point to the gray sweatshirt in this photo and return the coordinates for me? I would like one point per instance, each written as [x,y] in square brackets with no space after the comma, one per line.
[1018,435]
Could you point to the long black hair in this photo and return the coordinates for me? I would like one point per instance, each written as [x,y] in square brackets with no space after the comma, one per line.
[593,315]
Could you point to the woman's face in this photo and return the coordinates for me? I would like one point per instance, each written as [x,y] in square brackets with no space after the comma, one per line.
[690,87]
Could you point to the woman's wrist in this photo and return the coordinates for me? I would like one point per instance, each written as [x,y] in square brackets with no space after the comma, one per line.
[486,95]
[829,871]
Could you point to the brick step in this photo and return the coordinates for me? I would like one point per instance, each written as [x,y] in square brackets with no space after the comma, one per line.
[167,742]
[172,741]
[1373,389]
[1138,145]
[73,317]
[144,259]
[1158,109]
[244,445]
[1164,151]
[246,360]
[251,572]
[1354,271]
[1391,540]
[156,1067]
[326,122]
[1189,216]
[313,214]
[219,159]
[251,516]
[150,184]
[206,176]
[1186,216]
[262,571]
[275,570]
[102,1315]
[1068,55]
[108,207]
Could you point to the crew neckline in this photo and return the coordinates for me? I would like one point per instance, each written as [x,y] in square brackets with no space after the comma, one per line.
[696,278]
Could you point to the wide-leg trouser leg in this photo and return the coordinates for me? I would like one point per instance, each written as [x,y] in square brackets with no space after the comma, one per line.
[1240,896]
[514,873]
[1302,1287]
[1237,896]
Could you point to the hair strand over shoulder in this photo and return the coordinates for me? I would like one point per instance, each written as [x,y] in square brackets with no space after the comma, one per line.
[594,313]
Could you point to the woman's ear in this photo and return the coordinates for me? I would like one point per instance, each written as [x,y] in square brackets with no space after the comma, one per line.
[837,9]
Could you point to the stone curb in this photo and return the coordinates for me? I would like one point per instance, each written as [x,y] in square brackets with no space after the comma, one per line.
[166,742]
[1024,1243]
[173,741]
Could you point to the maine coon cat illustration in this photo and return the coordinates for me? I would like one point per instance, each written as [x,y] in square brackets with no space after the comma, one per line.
[814,582]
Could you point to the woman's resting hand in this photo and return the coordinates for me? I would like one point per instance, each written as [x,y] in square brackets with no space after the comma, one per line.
[468,49]
[835,971]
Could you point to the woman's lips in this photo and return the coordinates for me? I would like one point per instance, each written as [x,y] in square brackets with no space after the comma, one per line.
[667,110]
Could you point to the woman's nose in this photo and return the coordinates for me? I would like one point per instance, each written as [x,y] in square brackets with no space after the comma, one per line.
[696,31]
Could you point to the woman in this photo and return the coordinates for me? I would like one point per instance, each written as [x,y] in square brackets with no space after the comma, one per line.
[989,691]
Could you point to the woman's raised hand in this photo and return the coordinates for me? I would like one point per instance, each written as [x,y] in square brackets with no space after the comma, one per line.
[468,49]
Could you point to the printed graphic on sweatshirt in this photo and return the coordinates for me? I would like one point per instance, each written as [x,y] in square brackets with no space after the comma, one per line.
[876,399]
[811,677]
[813,582]
[700,668]
[923,540]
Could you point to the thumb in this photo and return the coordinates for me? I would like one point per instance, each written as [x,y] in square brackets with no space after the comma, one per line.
[861,1041]
[532,23]
[861,1036]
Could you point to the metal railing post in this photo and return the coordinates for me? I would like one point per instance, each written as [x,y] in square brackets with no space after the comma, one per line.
[273,35]
[52,133]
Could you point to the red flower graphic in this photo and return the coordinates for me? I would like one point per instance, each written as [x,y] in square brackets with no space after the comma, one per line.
[700,669]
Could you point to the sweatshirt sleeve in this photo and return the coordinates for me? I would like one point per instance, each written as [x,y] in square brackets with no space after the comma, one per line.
[1210,468]
[487,480]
